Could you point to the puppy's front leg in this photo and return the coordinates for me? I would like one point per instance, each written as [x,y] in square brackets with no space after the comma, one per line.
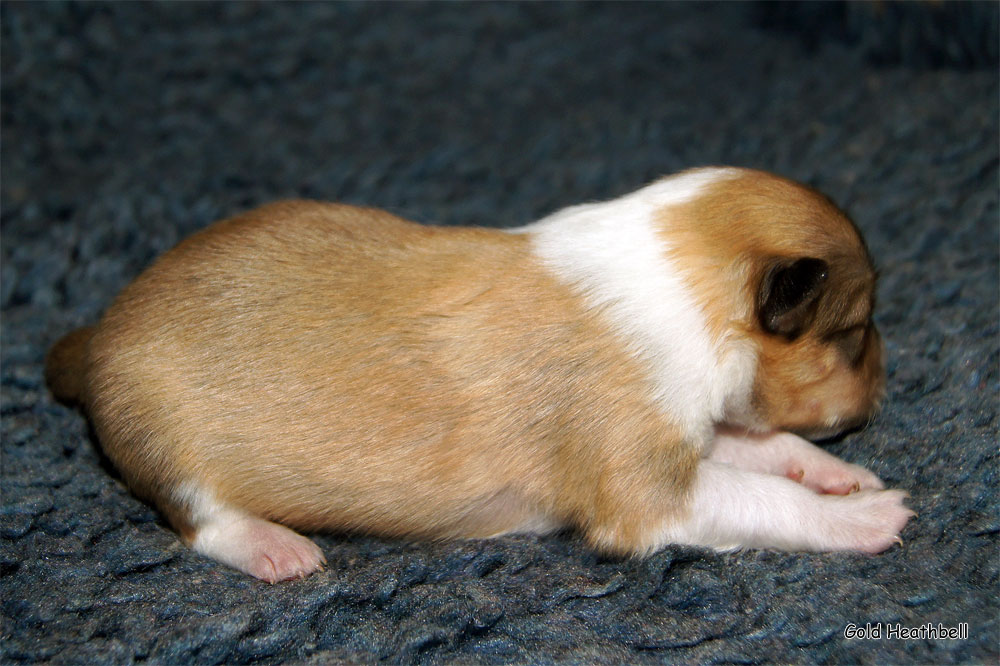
[785,454]
[732,508]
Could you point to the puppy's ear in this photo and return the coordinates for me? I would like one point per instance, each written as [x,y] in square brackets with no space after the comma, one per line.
[788,294]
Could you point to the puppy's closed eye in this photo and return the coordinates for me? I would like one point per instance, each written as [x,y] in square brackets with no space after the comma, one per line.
[851,341]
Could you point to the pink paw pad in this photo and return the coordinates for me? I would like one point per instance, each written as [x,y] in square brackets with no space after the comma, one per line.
[263,549]
[277,553]
[835,477]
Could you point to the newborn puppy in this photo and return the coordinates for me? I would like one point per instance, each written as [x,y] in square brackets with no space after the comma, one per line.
[627,368]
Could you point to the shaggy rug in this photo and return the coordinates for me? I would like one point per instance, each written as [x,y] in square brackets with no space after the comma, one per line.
[127,126]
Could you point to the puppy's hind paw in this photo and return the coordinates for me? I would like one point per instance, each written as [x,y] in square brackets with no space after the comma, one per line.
[278,553]
[263,549]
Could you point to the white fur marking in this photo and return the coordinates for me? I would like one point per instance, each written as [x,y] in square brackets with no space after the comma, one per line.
[611,252]
[253,545]
[785,454]
[733,508]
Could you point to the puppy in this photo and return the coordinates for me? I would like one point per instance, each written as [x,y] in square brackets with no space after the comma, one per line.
[633,369]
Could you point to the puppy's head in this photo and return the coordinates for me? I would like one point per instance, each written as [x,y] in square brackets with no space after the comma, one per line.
[778,264]
[820,367]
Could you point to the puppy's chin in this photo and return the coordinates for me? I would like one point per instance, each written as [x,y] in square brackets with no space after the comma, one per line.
[820,433]
[814,432]
[843,427]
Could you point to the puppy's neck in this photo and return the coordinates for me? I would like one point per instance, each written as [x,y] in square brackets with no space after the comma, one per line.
[612,255]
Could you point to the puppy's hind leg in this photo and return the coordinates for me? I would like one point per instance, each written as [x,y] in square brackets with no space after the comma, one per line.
[261,548]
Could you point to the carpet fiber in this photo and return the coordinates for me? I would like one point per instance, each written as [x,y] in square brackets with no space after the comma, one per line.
[127,126]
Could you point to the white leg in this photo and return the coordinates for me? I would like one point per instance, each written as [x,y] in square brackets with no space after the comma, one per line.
[265,550]
[258,547]
[733,508]
[785,454]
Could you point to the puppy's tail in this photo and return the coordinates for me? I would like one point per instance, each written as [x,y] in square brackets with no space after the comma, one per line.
[66,363]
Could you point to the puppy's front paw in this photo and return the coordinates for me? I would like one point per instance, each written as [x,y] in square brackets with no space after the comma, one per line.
[869,521]
[788,455]
[733,508]
[832,476]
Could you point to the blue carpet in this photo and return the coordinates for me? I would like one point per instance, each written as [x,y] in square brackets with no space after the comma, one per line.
[127,126]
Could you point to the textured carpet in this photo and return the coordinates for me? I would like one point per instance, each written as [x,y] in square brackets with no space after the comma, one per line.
[127,126]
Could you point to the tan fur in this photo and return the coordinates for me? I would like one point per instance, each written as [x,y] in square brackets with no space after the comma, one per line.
[340,368]
[65,365]
[725,240]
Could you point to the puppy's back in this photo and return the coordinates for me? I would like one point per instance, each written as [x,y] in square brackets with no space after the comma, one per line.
[333,367]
